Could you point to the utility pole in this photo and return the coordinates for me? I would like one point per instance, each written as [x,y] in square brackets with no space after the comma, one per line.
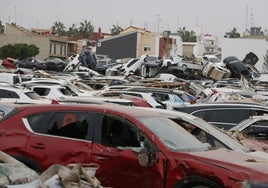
[15,15]
[178,22]
[246,17]
[251,18]
[158,22]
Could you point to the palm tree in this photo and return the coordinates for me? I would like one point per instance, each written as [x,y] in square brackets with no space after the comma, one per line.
[86,29]
[181,32]
[116,29]
[58,28]
[2,28]
[187,36]
[73,31]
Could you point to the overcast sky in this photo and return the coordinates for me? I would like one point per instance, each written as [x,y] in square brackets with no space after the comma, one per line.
[214,16]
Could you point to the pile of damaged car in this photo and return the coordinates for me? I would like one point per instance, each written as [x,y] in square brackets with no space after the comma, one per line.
[137,122]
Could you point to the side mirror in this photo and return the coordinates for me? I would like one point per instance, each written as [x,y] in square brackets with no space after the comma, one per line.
[143,159]
[146,158]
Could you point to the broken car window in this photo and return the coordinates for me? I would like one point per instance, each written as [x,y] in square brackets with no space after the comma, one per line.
[118,133]
[69,124]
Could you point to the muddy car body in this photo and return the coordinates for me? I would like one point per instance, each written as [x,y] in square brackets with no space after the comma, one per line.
[155,151]
[254,128]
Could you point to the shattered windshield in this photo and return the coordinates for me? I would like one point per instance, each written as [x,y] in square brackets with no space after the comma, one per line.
[171,135]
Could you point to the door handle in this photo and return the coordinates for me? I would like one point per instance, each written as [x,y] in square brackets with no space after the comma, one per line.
[100,158]
[38,146]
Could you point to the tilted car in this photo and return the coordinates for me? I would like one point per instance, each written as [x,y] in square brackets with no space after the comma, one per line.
[54,64]
[133,147]
[254,127]
[237,67]
[103,64]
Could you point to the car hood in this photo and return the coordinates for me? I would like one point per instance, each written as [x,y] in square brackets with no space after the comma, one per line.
[234,161]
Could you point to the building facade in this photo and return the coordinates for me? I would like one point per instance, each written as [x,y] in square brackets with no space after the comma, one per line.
[48,44]
[134,42]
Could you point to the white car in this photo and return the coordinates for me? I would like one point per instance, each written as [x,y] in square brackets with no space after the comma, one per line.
[72,63]
[147,96]
[18,95]
[52,91]
[212,59]
[172,60]
[77,89]
[254,126]
[131,66]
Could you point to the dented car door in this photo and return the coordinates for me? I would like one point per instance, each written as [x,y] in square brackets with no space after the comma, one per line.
[120,152]
[65,131]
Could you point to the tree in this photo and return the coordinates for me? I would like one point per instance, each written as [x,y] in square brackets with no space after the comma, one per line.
[73,31]
[232,34]
[116,29]
[86,29]
[58,28]
[2,28]
[18,51]
[187,36]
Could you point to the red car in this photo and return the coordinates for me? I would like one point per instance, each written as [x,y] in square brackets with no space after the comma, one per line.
[9,63]
[134,148]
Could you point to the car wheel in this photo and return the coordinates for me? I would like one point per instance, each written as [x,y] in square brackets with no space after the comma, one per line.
[34,68]
[29,163]
[184,67]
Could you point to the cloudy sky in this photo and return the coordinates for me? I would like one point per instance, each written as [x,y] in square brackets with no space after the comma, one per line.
[214,16]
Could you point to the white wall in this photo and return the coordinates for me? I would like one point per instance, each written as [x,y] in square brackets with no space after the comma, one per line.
[176,48]
[240,47]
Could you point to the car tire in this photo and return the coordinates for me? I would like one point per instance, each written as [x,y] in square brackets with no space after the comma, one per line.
[184,67]
[34,68]
[29,163]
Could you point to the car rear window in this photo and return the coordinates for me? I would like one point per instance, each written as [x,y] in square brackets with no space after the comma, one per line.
[64,124]
[32,95]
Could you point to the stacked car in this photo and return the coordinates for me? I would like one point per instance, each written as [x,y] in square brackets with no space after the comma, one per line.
[141,130]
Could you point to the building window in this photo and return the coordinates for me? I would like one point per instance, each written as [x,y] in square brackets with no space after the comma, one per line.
[55,48]
[61,48]
[50,48]
[147,48]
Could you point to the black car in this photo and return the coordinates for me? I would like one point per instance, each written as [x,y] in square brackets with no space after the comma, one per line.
[176,71]
[237,67]
[31,63]
[225,115]
[54,64]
